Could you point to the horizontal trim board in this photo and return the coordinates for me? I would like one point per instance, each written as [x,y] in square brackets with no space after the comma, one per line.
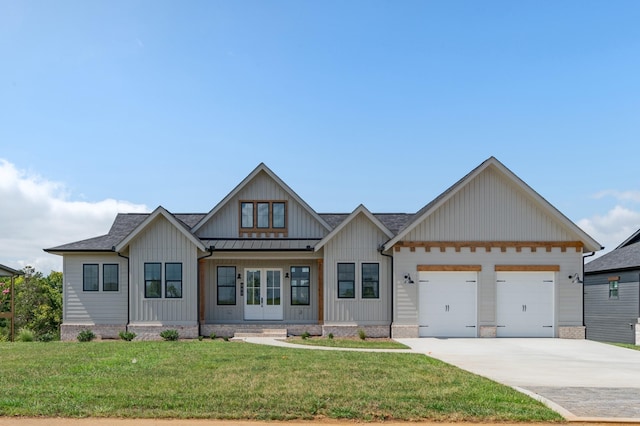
[449,268]
[527,268]
[488,245]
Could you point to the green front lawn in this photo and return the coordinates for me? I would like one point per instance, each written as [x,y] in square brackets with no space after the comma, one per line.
[228,380]
[348,343]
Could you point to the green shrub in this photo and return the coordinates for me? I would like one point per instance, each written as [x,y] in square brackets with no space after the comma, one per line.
[305,335]
[213,336]
[361,334]
[25,335]
[200,338]
[86,336]
[46,337]
[170,334]
[127,335]
[330,336]
[225,338]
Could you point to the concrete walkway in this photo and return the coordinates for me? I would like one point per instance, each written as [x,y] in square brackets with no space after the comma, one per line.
[584,381]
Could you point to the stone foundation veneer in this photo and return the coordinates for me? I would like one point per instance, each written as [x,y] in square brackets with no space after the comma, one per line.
[405,331]
[488,331]
[352,330]
[574,332]
[152,332]
[69,332]
[228,330]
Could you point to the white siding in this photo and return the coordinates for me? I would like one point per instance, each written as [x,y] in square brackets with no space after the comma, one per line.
[568,295]
[300,223]
[490,208]
[356,243]
[162,242]
[93,307]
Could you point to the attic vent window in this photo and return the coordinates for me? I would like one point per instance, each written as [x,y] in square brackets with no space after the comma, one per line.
[263,217]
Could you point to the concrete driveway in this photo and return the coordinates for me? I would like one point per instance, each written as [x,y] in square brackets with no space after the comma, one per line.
[581,379]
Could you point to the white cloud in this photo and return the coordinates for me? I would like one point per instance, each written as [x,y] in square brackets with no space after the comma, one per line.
[36,213]
[633,196]
[612,228]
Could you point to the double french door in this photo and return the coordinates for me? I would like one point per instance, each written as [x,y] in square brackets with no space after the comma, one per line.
[263,294]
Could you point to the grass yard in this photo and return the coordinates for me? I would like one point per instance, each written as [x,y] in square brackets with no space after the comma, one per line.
[628,346]
[228,380]
[348,343]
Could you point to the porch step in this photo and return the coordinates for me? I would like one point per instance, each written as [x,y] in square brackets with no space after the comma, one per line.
[274,333]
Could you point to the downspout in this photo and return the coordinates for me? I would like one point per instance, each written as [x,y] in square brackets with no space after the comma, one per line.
[380,250]
[198,295]
[583,280]
[128,287]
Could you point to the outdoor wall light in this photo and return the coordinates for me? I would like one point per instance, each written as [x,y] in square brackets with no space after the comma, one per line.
[407,279]
[239,276]
[575,279]
[286,275]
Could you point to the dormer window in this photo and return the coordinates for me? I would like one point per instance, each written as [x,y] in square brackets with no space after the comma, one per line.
[263,217]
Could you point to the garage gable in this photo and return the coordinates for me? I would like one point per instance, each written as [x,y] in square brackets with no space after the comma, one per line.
[492,204]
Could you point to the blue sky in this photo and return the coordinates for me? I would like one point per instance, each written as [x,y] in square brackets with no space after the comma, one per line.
[125,105]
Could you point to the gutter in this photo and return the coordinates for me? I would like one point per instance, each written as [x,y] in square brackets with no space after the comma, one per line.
[380,250]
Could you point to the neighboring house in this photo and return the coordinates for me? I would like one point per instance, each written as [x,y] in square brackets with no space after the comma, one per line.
[488,257]
[7,308]
[612,294]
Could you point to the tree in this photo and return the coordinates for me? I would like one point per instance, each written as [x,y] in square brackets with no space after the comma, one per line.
[38,302]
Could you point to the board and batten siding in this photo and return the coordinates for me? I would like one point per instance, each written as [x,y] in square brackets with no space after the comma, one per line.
[93,307]
[161,242]
[568,296]
[234,314]
[490,208]
[612,319]
[225,223]
[356,243]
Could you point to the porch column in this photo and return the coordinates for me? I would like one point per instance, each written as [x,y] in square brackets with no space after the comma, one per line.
[201,292]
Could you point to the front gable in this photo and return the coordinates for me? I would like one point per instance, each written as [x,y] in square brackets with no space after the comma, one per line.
[262,189]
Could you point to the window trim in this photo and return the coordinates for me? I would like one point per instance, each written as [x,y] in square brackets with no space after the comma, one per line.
[117,265]
[234,286]
[146,296]
[362,281]
[167,280]
[339,281]
[308,286]
[614,293]
[84,277]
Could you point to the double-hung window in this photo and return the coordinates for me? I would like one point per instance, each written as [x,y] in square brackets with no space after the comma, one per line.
[153,280]
[110,277]
[300,282]
[226,285]
[370,281]
[346,280]
[613,288]
[173,278]
[90,277]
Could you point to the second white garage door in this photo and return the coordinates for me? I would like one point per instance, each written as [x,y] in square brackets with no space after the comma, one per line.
[447,304]
[525,304]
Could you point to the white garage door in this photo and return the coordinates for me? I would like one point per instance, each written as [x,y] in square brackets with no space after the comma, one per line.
[447,304]
[525,304]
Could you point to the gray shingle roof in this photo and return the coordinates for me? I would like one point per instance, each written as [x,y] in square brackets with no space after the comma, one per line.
[393,221]
[621,258]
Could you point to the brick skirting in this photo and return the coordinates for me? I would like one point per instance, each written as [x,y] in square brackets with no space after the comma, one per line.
[69,332]
[574,332]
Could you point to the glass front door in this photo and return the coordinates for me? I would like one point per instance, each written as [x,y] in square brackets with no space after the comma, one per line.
[263,296]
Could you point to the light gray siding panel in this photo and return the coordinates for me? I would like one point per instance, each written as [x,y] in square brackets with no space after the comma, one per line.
[162,242]
[220,314]
[568,295]
[490,208]
[93,307]
[608,319]
[357,243]
[225,224]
